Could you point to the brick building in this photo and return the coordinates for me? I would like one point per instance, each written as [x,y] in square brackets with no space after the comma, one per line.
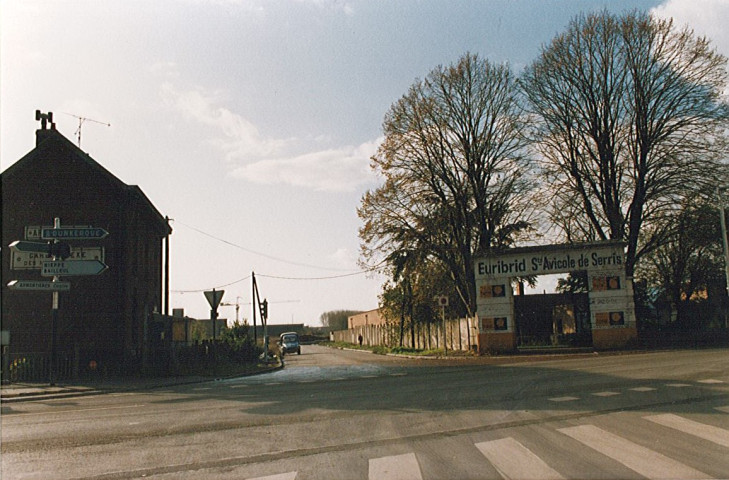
[103,320]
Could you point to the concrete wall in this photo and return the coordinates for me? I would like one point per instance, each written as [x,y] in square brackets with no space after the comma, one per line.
[460,335]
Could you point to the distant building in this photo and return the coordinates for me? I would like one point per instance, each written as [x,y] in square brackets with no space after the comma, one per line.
[372,317]
[102,318]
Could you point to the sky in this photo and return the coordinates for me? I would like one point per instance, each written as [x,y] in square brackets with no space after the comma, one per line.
[251,123]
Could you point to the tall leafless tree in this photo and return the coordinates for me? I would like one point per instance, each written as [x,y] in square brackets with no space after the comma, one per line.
[630,119]
[455,171]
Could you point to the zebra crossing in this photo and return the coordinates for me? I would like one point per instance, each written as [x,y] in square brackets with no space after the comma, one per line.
[510,456]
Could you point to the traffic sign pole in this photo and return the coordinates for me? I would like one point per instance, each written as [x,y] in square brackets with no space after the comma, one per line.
[214,297]
[54,318]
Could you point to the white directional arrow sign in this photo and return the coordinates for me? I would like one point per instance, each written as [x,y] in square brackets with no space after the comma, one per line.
[35,247]
[39,285]
[73,233]
[73,267]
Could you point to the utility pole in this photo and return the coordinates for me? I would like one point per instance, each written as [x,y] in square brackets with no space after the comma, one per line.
[254,289]
[167,267]
[264,320]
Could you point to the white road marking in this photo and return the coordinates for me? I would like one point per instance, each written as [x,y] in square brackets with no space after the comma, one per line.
[514,461]
[707,432]
[643,389]
[563,399]
[606,394]
[397,467]
[642,460]
[710,381]
[678,385]
[280,476]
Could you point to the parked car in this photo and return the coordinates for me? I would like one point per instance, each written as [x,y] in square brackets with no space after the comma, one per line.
[289,342]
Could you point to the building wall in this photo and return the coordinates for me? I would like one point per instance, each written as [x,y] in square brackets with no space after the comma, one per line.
[103,314]
[371,317]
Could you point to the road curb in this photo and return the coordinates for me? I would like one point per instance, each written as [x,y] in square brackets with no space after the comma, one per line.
[71,392]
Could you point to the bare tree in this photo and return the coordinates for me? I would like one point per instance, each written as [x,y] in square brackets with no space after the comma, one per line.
[691,260]
[337,319]
[455,171]
[630,120]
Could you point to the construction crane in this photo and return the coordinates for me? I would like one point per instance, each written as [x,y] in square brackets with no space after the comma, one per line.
[81,121]
[237,305]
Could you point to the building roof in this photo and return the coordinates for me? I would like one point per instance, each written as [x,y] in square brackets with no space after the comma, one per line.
[51,141]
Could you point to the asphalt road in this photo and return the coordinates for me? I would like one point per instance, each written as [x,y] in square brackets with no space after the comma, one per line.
[334,414]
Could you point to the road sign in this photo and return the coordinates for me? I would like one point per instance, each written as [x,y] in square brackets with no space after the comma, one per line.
[33,260]
[73,233]
[39,285]
[214,297]
[33,232]
[34,247]
[73,267]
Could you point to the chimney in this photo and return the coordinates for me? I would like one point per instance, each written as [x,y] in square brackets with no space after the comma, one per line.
[46,120]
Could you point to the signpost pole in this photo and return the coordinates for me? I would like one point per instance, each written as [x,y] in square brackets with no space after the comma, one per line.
[214,316]
[54,319]
[214,297]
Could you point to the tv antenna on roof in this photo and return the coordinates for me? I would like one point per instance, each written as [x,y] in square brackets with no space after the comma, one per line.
[81,121]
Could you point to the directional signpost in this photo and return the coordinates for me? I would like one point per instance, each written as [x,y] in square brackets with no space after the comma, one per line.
[59,251]
[73,267]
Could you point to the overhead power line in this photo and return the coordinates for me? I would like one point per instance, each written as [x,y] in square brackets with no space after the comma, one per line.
[260,254]
[232,244]
[219,287]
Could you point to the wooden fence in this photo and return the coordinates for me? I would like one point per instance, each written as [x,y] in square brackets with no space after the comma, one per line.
[460,334]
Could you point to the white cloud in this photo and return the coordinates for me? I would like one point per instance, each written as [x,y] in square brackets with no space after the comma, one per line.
[345,258]
[342,169]
[265,160]
[334,5]
[236,136]
[705,17]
